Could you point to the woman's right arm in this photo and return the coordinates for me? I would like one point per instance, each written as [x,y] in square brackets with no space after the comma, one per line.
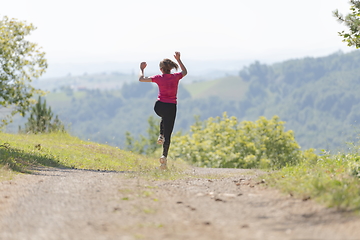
[141,75]
[182,66]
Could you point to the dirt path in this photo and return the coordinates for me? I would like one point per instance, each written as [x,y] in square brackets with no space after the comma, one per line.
[81,204]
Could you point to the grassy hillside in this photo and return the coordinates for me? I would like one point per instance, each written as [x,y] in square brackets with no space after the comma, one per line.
[228,88]
[20,152]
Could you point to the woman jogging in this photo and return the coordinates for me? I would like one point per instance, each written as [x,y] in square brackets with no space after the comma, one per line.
[165,106]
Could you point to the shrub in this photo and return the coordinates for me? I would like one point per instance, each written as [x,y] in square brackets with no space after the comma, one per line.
[226,143]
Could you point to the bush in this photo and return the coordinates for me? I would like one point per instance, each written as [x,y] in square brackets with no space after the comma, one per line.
[226,143]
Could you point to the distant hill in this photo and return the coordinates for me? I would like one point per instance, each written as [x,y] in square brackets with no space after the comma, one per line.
[317,97]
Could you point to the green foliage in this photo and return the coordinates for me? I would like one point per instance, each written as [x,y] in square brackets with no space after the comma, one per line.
[352,21]
[226,143]
[41,120]
[144,145]
[136,90]
[332,179]
[21,61]
[257,72]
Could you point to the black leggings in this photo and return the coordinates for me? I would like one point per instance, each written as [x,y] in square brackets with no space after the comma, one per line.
[167,112]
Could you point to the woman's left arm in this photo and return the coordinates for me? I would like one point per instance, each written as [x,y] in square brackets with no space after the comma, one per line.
[141,75]
[182,66]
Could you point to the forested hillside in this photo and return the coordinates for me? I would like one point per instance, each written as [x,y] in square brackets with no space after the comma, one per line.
[317,97]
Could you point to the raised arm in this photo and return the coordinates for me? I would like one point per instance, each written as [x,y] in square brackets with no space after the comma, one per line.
[182,66]
[141,75]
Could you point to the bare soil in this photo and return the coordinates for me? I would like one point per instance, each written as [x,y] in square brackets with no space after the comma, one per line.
[83,204]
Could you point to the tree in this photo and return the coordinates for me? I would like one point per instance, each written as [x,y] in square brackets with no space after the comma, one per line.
[40,120]
[21,61]
[145,145]
[136,90]
[352,21]
[258,72]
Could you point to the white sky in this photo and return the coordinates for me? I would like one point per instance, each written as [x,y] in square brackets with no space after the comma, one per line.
[146,30]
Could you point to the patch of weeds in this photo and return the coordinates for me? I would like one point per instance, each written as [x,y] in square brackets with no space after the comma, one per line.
[146,194]
[126,190]
[150,225]
[159,225]
[139,236]
[148,210]
[331,179]
[6,173]
[173,172]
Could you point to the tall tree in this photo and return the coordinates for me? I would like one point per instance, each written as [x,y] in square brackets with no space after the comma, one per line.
[352,21]
[41,120]
[21,61]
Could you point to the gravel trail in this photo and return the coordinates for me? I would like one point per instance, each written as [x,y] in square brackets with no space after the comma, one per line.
[82,204]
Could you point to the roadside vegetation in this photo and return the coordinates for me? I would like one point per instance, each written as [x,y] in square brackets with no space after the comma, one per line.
[227,143]
[333,179]
[21,152]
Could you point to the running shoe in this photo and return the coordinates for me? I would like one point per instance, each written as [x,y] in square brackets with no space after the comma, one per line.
[161,139]
[163,162]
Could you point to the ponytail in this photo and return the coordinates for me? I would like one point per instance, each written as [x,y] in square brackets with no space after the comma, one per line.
[167,65]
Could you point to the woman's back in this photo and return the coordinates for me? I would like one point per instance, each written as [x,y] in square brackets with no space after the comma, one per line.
[168,86]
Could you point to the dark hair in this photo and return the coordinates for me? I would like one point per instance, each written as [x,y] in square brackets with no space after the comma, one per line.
[167,65]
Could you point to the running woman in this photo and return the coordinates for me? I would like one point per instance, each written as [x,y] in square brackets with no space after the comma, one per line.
[165,106]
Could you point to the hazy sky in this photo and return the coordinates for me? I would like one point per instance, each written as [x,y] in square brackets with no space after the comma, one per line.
[144,30]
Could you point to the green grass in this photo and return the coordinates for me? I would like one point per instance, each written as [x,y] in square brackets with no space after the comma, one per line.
[21,152]
[6,173]
[230,88]
[62,99]
[197,88]
[331,179]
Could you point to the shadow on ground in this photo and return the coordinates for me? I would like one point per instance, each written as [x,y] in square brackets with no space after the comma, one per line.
[20,161]
[46,171]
